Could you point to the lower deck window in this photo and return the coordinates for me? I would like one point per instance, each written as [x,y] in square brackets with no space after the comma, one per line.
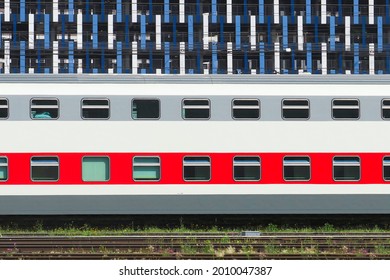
[196,169]
[44,169]
[3,169]
[386,168]
[296,168]
[146,168]
[346,168]
[96,169]
[246,168]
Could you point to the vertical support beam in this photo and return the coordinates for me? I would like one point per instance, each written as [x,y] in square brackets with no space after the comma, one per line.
[55,57]
[221,32]
[1,35]
[7,11]
[276,11]
[22,57]
[285,32]
[371,58]
[182,14]
[46,28]
[71,57]
[323,11]
[118,11]
[229,58]
[364,35]
[95,43]
[167,59]
[356,58]
[332,39]
[197,11]
[14,29]
[79,66]
[133,10]
[158,32]
[308,11]
[151,15]
[110,31]
[292,11]
[300,32]
[214,13]
[71,10]
[7,57]
[31,38]
[119,57]
[102,11]
[347,33]
[380,34]
[309,64]
[182,58]
[205,31]
[269,33]
[229,13]
[23,11]
[127,33]
[262,58]
[371,12]
[174,30]
[355,11]
[316,30]
[63,30]
[340,63]
[87,19]
[261,12]
[134,57]
[238,33]
[277,57]
[387,11]
[166,11]
[253,33]
[190,32]
[79,30]
[324,59]
[143,32]
[245,12]
[214,58]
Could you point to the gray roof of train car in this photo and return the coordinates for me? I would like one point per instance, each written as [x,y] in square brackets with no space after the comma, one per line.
[194,79]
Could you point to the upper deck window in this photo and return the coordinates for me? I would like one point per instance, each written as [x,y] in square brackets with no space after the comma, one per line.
[386,108]
[347,109]
[145,109]
[44,108]
[246,109]
[3,108]
[3,169]
[346,168]
[296,168]
[196,109]
[44,168]
[95,108]
[246,168]
[295,109]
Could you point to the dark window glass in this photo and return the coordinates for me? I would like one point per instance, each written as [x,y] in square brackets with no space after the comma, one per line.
[3,108]
[246,109]
[386,168]
[386,108]
[345,109]
[145,109]
[346,169]
[196,109]
[296,168]
[246,168]
[295,109]
[95,109]
[196,169]
[44,168]
[44,109]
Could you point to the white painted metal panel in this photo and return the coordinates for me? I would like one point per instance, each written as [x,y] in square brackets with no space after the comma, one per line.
[347,33]
[276,11]
[182,57]
[205,31]
[371,12]
[371,57]
[79,66]
[181,11]
[230,58]
[277,57]
[55,57]
[300,33]
[7,10]
[158,32]
[229,13]
[110,30]
[253,32]
[79,30]
[323,11]
[134,57]
[31,38]
[55,10]
[324,59]
[134,12]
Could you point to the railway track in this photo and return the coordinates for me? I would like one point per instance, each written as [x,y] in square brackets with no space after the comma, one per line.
[200,246]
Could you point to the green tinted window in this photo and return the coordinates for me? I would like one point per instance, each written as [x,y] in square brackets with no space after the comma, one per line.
[96,169]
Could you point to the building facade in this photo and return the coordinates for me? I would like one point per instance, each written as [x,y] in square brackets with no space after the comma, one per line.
[195,36]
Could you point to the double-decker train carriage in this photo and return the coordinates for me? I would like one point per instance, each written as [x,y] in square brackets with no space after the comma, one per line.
[128,144]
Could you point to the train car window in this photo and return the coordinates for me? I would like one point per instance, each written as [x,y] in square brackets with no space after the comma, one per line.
[145,109]
[44,109]
[386,168]
[246,168]
[146,168]
[3,169]
[3,108]
[95,108]
[346,168]
[196,109]
[296,168]
[96,169]
[386,108]
[347,109]
[246,109]
[44,169]
[196,169]
[295,109]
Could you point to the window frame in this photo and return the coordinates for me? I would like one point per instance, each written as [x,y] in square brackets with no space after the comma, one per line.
[248,156]
[48,156]
[297,156]
[200,156]
[382,105]
[333,166]
[43,106]
[96,156]
[383,168]
[5,106]
[7,166]
[145,99]
[243,107]
[346,99]
[295,99]
[195,99]
[98,98]
[146,180]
